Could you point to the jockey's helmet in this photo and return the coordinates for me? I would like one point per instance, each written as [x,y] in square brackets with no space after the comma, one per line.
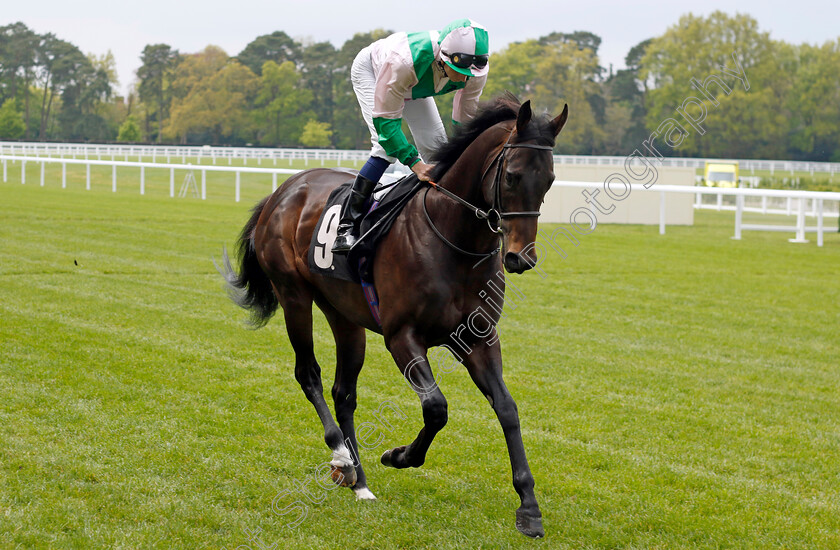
[465,47]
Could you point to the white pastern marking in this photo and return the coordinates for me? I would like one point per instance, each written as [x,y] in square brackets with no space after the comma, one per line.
[342,458]
[364,494]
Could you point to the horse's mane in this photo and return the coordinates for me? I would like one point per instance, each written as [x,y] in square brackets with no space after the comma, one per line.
[500,109]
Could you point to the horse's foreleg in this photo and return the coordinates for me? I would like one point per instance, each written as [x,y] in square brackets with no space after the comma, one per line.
[297,310]
[484,364]
[410,356]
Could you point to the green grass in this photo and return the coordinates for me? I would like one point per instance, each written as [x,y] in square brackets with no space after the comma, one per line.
[676,391]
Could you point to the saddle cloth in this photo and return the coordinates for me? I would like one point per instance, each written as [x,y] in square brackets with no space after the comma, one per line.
[385,204]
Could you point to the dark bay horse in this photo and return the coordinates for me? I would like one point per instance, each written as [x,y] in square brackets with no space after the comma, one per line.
[431,272]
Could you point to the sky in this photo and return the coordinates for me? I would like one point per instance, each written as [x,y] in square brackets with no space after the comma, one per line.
[125,28]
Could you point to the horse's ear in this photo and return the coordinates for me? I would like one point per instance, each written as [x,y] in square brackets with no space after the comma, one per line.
[558,123]
[524,116]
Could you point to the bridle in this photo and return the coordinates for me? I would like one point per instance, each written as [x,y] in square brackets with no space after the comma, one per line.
[496,213]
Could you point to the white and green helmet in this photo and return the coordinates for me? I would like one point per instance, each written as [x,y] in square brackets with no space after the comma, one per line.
[465,47]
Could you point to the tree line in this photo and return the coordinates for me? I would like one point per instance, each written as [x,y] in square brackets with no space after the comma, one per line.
[279,91]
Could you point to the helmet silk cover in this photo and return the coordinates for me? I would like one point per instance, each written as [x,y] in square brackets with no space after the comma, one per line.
[464,36]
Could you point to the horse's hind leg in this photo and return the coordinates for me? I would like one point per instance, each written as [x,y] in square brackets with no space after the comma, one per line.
[297,310]
[350,356]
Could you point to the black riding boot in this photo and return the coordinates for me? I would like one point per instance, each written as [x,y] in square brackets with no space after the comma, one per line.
[351,215]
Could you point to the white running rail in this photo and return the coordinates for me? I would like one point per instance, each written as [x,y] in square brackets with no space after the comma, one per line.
[817,210]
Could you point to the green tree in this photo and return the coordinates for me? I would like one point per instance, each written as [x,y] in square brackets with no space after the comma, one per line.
[283,104]
[113,108]
[625,113]
[81,103]
[18,62]
[739,124]
[11,121]
[277,47]
[195,69]
[316,134]
[108,64]
[61,68]
[551,74]
[317,73]
[634,57]
[617,125]
[814,102]
[66,84]
[217,101]
[514,69]
[155,74]
[129,131]
[581,39]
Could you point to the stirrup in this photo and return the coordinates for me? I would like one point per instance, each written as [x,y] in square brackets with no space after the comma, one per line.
[344,241]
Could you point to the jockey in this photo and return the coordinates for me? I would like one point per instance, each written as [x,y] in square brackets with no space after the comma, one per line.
[395,78]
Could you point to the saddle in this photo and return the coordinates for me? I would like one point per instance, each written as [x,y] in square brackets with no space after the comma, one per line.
[384,206]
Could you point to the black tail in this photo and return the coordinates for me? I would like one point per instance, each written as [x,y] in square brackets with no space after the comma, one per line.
[250,289]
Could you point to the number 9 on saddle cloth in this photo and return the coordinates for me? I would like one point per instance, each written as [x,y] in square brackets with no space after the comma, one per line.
[386,203]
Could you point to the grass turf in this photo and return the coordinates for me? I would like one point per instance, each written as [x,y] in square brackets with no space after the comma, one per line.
[675,391]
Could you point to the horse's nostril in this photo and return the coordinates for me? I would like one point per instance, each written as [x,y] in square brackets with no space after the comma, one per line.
[513,262]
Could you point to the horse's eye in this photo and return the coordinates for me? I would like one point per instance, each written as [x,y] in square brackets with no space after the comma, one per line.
[512,178]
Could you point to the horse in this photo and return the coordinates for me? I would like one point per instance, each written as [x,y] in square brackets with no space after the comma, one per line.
[431,270]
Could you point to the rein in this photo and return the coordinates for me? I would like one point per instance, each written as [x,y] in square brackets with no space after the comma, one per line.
[494,215]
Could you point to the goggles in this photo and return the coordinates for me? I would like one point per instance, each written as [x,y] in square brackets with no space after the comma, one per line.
[465,60]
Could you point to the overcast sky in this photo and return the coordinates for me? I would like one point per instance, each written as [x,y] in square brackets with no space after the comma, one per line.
[96,26]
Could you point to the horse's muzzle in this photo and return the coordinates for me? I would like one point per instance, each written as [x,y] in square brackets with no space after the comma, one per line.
[514,263]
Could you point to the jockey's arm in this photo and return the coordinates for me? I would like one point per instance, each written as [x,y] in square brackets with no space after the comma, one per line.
[465,102]
[392,87]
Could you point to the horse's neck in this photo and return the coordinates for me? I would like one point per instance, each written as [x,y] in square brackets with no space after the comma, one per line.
[464,178]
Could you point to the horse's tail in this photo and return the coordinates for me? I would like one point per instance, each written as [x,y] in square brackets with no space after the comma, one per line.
[251,288]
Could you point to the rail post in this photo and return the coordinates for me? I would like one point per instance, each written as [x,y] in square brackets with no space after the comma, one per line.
[662,213]
[237,186]
[819,205]
[800,223]
[739,212]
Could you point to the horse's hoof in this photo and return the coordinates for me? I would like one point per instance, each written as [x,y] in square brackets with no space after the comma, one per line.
[343,476]
[363,493]
[391,457]
[386,459]
[529,525]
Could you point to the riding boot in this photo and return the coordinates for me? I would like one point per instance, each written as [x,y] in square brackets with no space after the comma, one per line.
[351,215]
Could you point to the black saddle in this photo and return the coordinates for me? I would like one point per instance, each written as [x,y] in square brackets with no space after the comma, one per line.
[383,207]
